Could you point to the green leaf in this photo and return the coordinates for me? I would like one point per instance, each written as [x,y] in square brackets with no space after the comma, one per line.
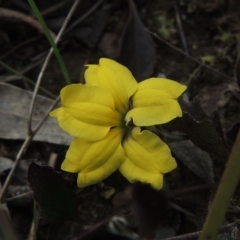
[55,197]
[51,41]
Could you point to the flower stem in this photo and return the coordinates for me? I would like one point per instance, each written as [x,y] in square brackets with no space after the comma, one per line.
[227,186]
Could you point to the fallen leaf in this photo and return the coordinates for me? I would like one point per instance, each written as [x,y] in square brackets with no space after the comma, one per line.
[204,131]
[14,107]
[149,206]
[5,163]
[138,48]
[109,45]
[56,199]
[214,97]
[197,160]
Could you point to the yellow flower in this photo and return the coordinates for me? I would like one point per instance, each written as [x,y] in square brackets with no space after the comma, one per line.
[105,116]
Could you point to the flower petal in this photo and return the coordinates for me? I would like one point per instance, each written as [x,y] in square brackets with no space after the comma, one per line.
[155,102]
[87,112]
[147,158]
[115,78]
[95,161]
[171,87]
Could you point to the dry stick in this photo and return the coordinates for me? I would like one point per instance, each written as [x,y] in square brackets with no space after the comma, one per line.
[18,46]
[179,23]
[191,190]
[91,10]
[16,197]
[195,235]
[46,64]
[24,148]
[15,15]
[192,58]
[182,210]
[31,133]
[32,233]
[55,7]
[193,74]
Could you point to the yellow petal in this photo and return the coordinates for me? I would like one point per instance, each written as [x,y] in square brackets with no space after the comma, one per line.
[147,158]
[171,87]
[115,78]
[95,161]
[87,112]
[83,93]
[155,102]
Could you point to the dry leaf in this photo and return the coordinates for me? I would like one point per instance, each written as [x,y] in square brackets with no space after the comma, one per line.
[138,48]
[5,163]
[14,107]
[194,158]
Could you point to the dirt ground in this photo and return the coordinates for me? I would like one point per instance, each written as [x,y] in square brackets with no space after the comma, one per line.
[193,42]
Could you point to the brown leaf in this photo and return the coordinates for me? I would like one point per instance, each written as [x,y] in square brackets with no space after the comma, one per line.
[205,132]
[149,206]
[194,158]
[14,107]
[54,196]
[138,48]
[214,97]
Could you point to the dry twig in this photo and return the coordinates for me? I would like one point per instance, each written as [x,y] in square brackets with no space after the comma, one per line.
[180,28]
[192,236]
[31,133]
[14,15]
[192,58]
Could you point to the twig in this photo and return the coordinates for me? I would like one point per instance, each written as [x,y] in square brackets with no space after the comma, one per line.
[23,150]
[52,160]
[21,76]
[179,24]
[55,7]
[18,46]
[180,209]
[193,75]
[16,197]
[14,15]
[190,57]
[84,16]
[31,133]
[191,190]
[46,64]
[195,235]
[32,235]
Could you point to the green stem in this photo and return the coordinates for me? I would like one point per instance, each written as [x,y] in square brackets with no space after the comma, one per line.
[228,184]
[51,41]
